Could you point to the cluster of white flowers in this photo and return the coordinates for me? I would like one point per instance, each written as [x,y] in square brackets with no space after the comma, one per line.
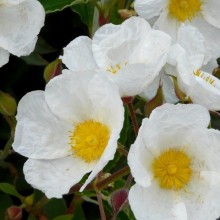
[72,127]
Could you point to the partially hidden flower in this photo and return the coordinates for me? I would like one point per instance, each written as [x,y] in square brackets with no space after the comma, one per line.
[67,131]
[175,164]
[20,23]
[131,54]
[172,13]
[200,86]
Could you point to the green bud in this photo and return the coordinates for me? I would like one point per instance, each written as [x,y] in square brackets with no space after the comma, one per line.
[7,104]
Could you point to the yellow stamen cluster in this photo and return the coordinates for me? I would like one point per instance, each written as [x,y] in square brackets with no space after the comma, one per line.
[183,10]
[116,68]
[172,169]
[208,79]
[89,140]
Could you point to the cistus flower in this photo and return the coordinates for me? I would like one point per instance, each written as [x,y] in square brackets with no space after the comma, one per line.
[198,13]
[175,164]
[67,131]
[20,23]
[199,86]
[131,54]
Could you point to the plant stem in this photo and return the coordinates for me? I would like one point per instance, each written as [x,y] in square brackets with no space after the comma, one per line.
[133,118]
[7,147]
[101,208]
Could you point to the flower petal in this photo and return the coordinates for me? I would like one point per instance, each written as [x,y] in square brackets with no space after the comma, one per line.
[154,203]
[20,25]
[210,11]
[39,134]
[139,159]
[4,57]
[78,54]
[55,177]
[180,114]
[148,9]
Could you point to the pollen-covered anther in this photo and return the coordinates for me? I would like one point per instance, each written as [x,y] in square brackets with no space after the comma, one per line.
[114,69]
[183,10]
[209,79]
[89,139]
[172,169]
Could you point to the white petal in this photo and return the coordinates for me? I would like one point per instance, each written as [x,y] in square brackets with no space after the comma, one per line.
[210,66]
[149,8]
[78,54]
[154,203]
[210,11]
[107,155]
[194,44]
[39,134]
[180,114]
[134,78]
[55,177]
[111,43]
[140,159]
[4,57]
[212,35]
[20,25]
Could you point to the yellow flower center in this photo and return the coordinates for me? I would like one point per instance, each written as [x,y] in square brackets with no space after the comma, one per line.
[172,169]
[114,69]
[184,10]
[89,140]
[209,79]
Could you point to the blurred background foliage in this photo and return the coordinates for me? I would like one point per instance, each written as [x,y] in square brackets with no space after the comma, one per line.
[65,20]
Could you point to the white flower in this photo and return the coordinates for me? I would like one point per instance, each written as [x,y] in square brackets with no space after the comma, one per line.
[68,130]
[198,13]
[200,86]
[20,23]
[131,54]
[175,163]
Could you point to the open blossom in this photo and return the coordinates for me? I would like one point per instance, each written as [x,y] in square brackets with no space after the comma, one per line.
[175,163]
[20,23]
[67,131]
[130,54]
[200,86]
[198,13]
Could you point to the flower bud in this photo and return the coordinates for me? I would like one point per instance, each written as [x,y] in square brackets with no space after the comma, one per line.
[13,213]
[7,104]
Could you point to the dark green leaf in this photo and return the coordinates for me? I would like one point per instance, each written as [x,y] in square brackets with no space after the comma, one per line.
[10,189]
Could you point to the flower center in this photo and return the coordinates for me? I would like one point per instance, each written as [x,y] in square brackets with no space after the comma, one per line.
[89,140]
[184,10]
[114,69]
[172,169]
[204,76]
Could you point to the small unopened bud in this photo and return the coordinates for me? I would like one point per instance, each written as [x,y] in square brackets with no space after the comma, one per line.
[52,69]
[13,213]
[29,200]
[119,199]
[7,104]
[126,13]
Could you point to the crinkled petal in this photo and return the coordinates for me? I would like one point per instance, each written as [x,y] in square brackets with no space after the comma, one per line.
[210,11]
[78,100]
[20,25]
[78,56]
[4,57]
[55,177]
[194,44]
[149,8]
[181,114]
[140,159]
[212,35]
[154,203]
[39,134]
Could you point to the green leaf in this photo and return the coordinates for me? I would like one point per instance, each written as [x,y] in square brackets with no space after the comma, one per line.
[54,208]
[58,5]
[35,59]
[125,129]
[64,217]
[5,202]
[79,214]
[10,189]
